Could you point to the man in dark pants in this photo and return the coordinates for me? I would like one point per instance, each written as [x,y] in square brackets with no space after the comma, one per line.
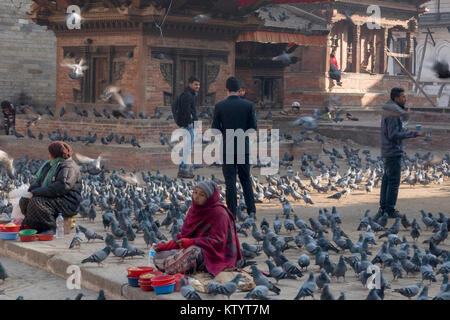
[9,117]
[392,135]
[185,118]
[236,113]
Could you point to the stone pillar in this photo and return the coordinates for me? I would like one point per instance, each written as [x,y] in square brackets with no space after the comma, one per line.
[356,54]
[409,50]
[383,58]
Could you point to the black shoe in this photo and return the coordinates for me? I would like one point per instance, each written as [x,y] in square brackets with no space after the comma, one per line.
[184,174]
[393,215]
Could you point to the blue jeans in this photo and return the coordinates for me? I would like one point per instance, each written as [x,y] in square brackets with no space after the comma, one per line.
[187,151]
[390,184]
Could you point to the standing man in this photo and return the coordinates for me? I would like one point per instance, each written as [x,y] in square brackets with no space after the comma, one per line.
[236,113]
[392,135]
[185,113]
[9,117]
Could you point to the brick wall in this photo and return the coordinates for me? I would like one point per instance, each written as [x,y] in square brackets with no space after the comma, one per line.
[27,57]
[142,75]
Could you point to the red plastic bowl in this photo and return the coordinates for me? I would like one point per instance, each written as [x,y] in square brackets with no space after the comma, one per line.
[11,229]
[27,238]
[135,272]
[45,237]
[145,286]
[163,280]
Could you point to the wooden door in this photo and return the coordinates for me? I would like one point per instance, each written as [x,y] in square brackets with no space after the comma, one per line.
[188,68]
[100,77]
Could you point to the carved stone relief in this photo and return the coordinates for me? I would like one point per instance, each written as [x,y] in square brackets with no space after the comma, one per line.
[167,72]
[118,70]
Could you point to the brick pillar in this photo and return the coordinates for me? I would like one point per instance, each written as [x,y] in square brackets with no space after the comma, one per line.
[356,54]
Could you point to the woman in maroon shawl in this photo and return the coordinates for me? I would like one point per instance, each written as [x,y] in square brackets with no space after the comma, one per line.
[208,239]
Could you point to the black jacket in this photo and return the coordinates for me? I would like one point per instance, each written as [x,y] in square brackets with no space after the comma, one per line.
[392,134]
[187,111]
[66,184]
[234,113]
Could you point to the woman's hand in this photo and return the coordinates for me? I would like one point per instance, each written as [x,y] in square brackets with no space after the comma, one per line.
[179,242]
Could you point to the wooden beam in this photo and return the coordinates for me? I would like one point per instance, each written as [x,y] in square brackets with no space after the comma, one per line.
[398,55]
[411,77]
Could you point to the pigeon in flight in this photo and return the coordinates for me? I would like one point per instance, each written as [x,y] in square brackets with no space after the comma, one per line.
[287,57]
[77,69]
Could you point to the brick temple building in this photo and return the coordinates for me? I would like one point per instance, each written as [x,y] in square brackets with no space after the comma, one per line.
[150,48]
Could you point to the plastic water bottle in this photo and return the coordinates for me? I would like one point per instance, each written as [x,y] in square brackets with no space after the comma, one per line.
[151,253]
[60,226]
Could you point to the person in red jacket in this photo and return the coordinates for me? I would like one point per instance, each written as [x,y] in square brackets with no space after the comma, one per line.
[335,73]
[208,240]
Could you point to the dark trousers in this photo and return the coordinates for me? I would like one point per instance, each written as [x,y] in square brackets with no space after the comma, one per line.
[334,73]
[390,184]
[229,173]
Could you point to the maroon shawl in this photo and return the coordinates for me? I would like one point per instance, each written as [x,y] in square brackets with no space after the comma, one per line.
[213,228]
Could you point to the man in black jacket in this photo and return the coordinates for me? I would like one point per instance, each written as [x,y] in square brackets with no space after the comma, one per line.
[392,135]
[235,113]
[186,115]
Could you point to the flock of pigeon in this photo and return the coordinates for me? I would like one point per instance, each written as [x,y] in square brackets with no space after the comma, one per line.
[131,203]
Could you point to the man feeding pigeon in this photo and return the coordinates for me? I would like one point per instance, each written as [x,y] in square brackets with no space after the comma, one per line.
[208,239]
[392,135]
[185,113]
[57,189]
[9,116]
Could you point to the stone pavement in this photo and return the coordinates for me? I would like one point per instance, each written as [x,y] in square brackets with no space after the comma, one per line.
[35,284]
[55,256]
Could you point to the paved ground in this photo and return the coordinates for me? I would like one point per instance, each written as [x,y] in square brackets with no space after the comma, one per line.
[55,257]
[35,284]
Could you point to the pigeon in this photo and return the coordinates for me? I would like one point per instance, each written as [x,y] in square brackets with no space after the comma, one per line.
[98,256]
[373,295]
[287,57]
[77,239]
[427,271]
[442,70]
[90,234]
[423,294]
[62,112]
[77,69]
[258,293]
[101,295]
[3,273]
[228,288]
[96,163]
[260,279]
[277,225]
[188,292]
[7,162]
[304,261]
[277,272]
[340,269]
[322,278]
[308,288]
[111,242]
[211,288]
[202,18]
[326,294]
[92,214]
[121,252]
[409,291]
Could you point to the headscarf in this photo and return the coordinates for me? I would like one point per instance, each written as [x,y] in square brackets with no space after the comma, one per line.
[213,228]
[60,149]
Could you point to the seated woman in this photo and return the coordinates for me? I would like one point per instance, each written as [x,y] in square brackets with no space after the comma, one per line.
[57,189]
[208,240]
